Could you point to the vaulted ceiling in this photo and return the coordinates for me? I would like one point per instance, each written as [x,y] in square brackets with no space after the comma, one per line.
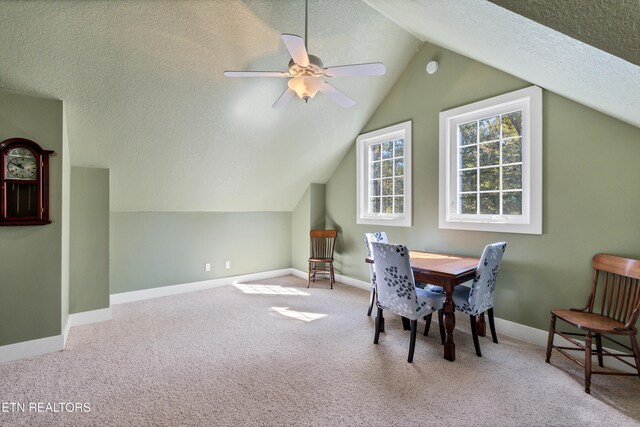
[529,50]
[610,25]
[145,96]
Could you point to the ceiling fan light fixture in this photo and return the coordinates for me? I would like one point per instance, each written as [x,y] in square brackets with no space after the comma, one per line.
[305,86]
[306,72]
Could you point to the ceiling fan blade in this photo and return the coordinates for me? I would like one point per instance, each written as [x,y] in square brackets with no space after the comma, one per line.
[371,69]
[256,74]
[284,99]
[295,46]
[338,97]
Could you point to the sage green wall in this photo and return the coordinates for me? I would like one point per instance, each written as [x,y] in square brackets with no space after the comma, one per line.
[317,211]
[300,226]
[153,249]
[591,195]
[309,214]
[89,239]
[66,207]
[31,256]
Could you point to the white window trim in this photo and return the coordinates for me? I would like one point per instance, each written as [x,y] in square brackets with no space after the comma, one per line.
[530,101]
[401,130]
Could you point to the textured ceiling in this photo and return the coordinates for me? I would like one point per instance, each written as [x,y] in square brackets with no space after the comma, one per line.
[145,96]
[610,25]
[528,50]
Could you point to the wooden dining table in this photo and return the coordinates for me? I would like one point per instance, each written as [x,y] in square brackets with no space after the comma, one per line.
[447,271]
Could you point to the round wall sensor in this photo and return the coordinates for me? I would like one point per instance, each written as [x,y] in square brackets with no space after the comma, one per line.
[432,67]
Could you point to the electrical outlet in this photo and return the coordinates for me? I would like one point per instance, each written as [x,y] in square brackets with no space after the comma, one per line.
[207,267]
[227,264]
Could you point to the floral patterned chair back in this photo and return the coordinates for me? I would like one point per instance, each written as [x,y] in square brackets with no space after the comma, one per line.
[378,236]
[481,294]
[396,288]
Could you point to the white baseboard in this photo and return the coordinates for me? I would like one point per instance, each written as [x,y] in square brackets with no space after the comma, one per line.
[360,284]
[164,291]
[356,283]
[299,273]
[31,348]
[85,318]
[522,332]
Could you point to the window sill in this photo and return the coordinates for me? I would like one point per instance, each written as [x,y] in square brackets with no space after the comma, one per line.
[488,226]
[402,221]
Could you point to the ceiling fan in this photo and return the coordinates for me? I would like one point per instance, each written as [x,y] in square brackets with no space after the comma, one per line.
[306,72]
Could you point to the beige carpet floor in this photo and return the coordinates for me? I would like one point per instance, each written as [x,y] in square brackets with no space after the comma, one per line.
[273,353]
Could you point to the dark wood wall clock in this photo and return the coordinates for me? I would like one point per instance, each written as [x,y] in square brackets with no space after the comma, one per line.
[24,198]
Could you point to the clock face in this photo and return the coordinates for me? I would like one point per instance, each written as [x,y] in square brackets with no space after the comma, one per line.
[21,168]
[21,164]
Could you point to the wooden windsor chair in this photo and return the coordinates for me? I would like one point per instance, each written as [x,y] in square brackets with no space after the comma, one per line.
[612,309]
[323,243]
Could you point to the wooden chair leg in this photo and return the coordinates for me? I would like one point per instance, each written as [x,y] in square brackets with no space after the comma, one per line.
[587,363]
[412,342]
[552,331]
[441,325]
[373,300]
[378,323]
[599,349]
[492,325]
[474,334]
[332,278]
[636,352]
[333,272]
[309,276]
[427,325]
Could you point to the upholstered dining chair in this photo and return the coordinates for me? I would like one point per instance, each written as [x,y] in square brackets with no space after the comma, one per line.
[478,298]
[323,243]
[397,291]
[612,309]
[381,237]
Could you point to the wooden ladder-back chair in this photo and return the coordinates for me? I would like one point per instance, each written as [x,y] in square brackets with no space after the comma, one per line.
[612,309]
[323,243]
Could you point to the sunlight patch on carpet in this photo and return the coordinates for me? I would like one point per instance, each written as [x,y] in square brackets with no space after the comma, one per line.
[298,315]
[248,288]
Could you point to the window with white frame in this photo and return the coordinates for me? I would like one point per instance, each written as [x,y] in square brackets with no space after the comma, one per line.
[491,164]
[384,176]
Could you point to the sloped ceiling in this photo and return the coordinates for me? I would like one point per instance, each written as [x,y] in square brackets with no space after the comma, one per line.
[145,96]
[526,49]
[609,25]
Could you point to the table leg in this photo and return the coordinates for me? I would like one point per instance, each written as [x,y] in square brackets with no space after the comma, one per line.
[481,326]
[449,309]
[406,325]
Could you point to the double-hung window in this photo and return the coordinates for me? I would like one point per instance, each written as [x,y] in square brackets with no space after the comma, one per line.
[384,176]
[491,164]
